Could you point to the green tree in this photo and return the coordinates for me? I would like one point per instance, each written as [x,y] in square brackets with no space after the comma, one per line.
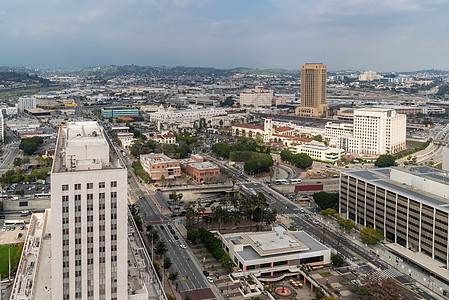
[193,235]
[173,276]
[325,200]
[337,260]
[167,263]
[328,212]
[161,248]
[385,160]
[371,236]
[17,161]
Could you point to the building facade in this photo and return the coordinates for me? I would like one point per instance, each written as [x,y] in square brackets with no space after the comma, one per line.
[158,165]
[171,115]
[410,205]
[199,170]
[313,91]
[279,250]
[25,103]
[318,151]
[257,97]
[115,113]
[166,138]
[380,131]
[89,216]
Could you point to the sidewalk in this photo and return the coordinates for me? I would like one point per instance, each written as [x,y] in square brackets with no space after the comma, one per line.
[424,281]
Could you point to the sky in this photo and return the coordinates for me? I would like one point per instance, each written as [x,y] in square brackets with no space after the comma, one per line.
[380,35]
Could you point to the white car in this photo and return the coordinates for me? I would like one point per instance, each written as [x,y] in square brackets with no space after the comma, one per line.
[4,229]
[210,279]
[183,246]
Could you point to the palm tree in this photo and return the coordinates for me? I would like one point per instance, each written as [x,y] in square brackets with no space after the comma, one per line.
[234,180]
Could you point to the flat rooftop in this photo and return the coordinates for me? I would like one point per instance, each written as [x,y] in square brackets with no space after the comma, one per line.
[381,178]
[269,244]
[205,165]
[157,158]
[83,146]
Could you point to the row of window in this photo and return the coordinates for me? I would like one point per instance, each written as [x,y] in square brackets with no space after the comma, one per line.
[89,185]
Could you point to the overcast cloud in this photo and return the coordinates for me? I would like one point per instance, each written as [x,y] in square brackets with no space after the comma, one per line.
[383,35]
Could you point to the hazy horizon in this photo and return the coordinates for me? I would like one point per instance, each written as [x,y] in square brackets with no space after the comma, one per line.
[383,36]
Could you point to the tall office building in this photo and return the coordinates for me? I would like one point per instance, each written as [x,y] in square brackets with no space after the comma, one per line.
[25,103]
[313,91]
[379,131]
[410,205]
[89,216]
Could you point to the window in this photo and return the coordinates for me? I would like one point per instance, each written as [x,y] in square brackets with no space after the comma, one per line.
[113,183]
[101,185]
[77,197]
[90,185]
[78,186]
[65,198]
[65,187]
[90,196]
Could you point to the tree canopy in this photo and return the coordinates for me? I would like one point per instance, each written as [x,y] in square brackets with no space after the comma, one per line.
[371,236]
[300,160]
[385,160]
[325,200]
[29,145]
[243,144]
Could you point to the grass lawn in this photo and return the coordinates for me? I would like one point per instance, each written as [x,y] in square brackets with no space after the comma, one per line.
[4,258]
[415,144]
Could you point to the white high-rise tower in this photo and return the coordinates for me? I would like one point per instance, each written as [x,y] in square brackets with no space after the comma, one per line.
[89,216]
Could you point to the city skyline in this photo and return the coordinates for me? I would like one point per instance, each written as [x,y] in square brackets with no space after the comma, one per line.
[362,35]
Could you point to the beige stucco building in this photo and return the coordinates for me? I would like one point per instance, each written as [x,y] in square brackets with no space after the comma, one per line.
[257,97]
[313,91]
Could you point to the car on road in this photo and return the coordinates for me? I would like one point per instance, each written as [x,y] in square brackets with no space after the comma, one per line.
[183,246]
[315,222]
[172,231]
[162,227]
[210,279]
[176,237]
[169,226]
[206,273]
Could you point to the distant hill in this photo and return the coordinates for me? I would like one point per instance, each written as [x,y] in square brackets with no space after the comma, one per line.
[178,71]
[431,71]
[11,78]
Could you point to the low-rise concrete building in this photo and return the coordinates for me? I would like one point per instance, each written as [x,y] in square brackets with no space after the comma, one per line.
[263,253]
[158,165]
[318,151]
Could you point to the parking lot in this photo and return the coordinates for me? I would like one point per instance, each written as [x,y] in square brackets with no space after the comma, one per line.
[10,233]
[28,188]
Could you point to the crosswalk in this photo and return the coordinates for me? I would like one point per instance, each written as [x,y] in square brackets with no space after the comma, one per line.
[290,215]
[388,273]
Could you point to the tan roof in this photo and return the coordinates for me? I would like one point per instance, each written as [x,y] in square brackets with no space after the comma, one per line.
[249,126]
[284,128]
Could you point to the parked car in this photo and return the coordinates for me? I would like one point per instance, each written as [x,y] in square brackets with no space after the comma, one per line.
[176,237]
[210,279]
